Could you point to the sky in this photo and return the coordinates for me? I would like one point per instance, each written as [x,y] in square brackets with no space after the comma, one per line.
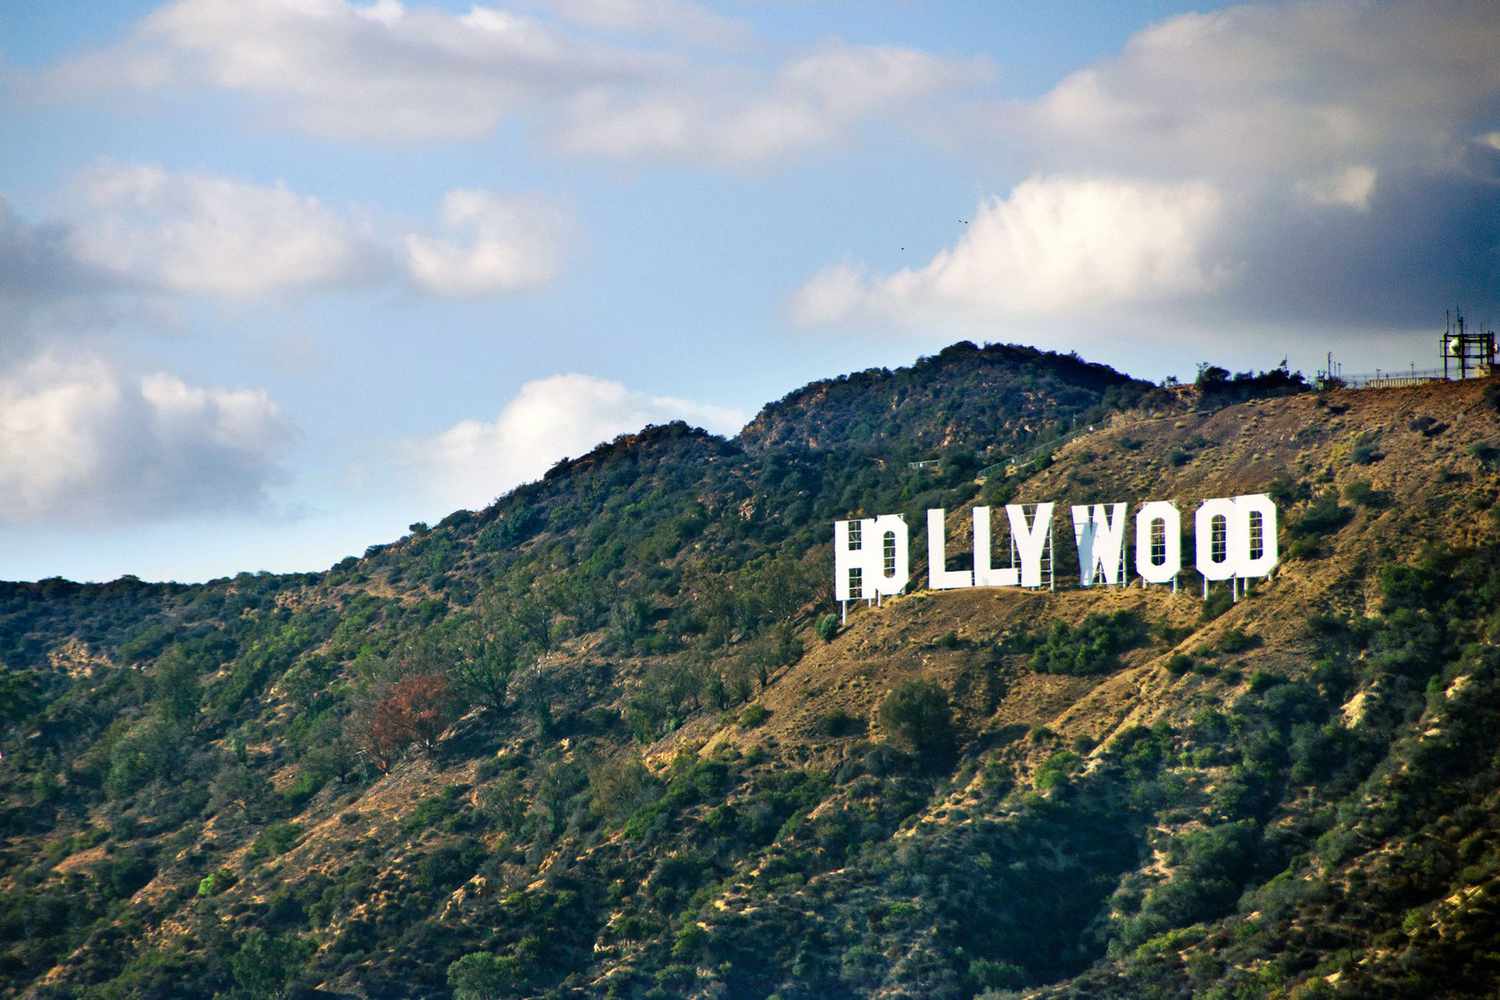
[279,278]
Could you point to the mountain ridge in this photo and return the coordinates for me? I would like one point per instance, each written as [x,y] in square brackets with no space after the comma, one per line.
[678,780]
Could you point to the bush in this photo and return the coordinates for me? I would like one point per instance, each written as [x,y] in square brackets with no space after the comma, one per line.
[215,883]
[838,724]
[753,715]
[126,873]
[916,714]
[1323,516]
[1487,454]
[1056,770]
[264,964]
[1286,491]
[1427,426]
[413,711]
[620,786]
[827,627]
[1360,492]
[276,839]
[1365,452]
[996,975]
[1235,641]
[1091,648]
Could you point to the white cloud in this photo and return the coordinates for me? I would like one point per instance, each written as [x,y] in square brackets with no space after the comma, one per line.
[812,101]
[82,442]
[335,68]
[1055,245]
[1299,91]
[201,234]
[513,244]
[140,230]
[474,461]
[387,72]
[1350,188]
[667,17]
[1262,167]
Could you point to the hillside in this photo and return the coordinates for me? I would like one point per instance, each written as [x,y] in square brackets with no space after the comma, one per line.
[986,400]
[602,738]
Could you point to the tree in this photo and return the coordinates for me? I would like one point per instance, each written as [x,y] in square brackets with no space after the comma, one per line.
[176,687]
[239,785]
[499,641]
[620,785]
[412,710]
[916,714]
[1211,376]
[480,975]
[265,965]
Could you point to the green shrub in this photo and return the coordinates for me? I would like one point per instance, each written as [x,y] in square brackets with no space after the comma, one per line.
[838,724]
[1056,770]
[266,964]
[1093,647]
[1236,641]
[1365,452]
[916,714]
[125,873]
[216,882]
[1362,494]
[620,786]
[276,839]
[1285,491]
[753,715]
[1323,516]
[996,975]
[1260,681]
[827,627]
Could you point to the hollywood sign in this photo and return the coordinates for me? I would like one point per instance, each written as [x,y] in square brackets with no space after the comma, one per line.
[1235,541]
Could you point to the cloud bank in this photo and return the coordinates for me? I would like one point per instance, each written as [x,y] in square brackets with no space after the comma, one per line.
[145,230]
[1324,164]
[390,72]
[1053,245]
[502,245]
[83,443]
[471,463]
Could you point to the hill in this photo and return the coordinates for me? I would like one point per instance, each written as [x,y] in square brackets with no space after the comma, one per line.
[603,739]
[983,399]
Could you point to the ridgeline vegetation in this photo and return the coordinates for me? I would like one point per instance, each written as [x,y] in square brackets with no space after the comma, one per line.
[604,737]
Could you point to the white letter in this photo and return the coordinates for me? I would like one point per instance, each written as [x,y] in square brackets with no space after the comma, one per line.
[1165,513]
[1100,533]
[888,570]
[939,576]
[984,574]
[1210,511]
[1261,565]
[1030,539]
[851,542]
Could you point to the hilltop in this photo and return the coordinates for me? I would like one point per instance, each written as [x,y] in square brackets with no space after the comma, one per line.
[603,738]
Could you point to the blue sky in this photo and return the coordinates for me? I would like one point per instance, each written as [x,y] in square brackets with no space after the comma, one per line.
[278,278]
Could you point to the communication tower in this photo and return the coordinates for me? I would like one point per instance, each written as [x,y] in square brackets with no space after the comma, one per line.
[1473,354]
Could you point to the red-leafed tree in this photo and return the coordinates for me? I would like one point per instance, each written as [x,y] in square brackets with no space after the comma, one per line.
[411,711]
